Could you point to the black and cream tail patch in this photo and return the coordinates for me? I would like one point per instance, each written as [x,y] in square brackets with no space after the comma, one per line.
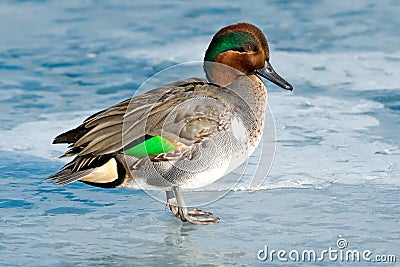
[109,173]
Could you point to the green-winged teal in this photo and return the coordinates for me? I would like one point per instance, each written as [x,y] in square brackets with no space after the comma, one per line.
[186,134]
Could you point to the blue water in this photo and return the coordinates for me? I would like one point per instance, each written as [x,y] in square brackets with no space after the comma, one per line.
[336,171]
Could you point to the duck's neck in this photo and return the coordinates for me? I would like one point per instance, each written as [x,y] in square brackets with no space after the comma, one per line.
[258,98]
[254,94]
[221,74]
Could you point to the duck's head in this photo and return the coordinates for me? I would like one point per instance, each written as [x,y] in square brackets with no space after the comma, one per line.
[243,47]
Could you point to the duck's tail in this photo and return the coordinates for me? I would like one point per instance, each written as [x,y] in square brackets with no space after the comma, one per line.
[103,171]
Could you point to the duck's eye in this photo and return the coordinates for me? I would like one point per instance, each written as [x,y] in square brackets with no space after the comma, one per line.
[247,47]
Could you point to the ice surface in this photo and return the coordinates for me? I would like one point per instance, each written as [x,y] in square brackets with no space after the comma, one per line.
[336,168]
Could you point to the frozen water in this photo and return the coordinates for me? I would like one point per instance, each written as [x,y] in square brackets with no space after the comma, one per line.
[336,170]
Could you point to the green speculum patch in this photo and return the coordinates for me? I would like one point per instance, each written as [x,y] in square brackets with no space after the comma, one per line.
[226,42]
[152,146]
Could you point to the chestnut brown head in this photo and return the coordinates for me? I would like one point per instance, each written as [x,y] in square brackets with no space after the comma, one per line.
[244,48]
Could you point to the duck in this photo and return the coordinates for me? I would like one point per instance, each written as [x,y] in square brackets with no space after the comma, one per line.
[183,135]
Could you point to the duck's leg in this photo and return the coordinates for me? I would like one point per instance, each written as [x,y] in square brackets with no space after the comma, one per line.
[171,203]
[190,215]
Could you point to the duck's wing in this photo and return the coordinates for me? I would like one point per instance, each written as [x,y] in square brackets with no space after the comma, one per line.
[174,116]
[101,133]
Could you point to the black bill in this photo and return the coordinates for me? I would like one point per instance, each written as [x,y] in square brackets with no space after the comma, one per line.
[269,73]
